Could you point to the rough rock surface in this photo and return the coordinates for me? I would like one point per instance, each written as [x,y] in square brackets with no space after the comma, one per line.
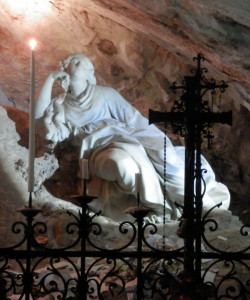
[14,172]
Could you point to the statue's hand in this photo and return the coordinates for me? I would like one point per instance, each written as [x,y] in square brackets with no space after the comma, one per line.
[63,77]
[60,75]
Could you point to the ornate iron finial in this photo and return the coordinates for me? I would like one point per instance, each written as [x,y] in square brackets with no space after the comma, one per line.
[197,87]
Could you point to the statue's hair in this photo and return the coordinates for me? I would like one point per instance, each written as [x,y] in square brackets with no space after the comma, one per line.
[85,61]
[56,127]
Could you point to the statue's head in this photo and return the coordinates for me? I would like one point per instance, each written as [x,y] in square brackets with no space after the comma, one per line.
[79,63]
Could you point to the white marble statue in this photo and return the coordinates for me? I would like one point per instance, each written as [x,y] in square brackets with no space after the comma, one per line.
[118,142]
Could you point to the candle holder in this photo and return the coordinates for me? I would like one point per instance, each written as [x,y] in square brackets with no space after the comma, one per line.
[138,212]
[83,197]
[30,211]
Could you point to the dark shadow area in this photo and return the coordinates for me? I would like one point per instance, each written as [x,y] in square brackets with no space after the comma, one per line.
[64,183]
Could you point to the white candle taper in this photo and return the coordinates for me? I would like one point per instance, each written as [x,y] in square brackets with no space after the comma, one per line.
[138,186]
[137,182]
[84,168]
[32,119]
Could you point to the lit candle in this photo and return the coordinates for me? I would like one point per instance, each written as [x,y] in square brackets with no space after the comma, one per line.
[84,169]
[32,118]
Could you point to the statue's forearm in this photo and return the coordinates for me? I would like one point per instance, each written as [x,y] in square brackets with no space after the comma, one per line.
[44,97]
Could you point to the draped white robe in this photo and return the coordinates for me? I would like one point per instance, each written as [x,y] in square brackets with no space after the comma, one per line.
[118,142]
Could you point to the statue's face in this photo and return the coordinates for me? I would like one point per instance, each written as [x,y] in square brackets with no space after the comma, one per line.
[78,69]
[74,65]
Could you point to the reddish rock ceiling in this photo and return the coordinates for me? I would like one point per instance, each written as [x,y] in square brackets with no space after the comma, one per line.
[133,44]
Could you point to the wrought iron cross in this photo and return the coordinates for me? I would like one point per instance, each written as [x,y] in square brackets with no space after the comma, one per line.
[193,119]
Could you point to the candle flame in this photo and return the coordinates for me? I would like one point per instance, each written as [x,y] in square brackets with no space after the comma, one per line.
[33,44]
